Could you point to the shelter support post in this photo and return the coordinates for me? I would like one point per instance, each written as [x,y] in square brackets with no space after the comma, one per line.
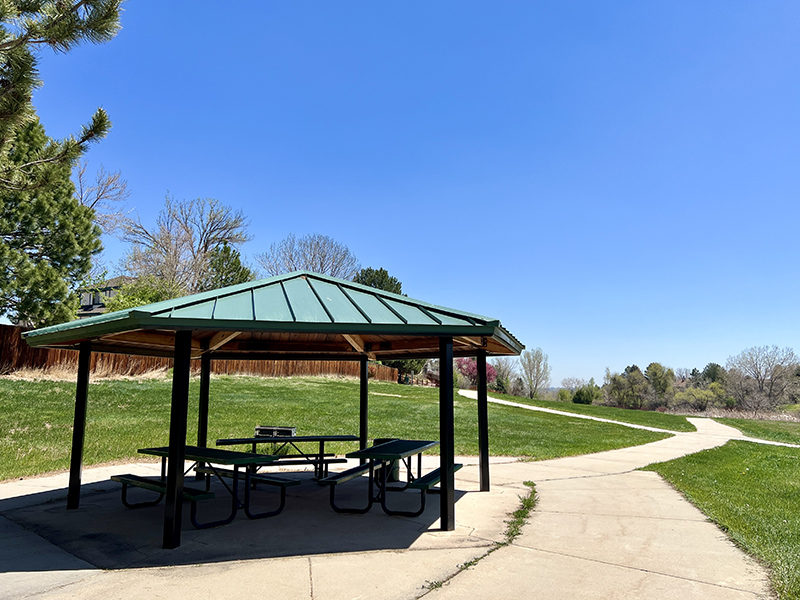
[202,413]
[79,426]
[177,439]
[447,511]
[483,422]
[363,411]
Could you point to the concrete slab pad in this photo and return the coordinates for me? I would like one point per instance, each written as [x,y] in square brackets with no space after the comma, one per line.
[105,534]
[637,494]
[515,573]
[284,578]
[385,575]
[645,543]
[30,565]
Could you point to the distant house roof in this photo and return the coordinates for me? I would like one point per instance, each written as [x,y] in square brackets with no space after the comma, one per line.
[110,284]
[93,299]
[116,282]
[297,315]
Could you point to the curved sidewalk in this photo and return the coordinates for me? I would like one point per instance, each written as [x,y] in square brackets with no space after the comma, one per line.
[601,529]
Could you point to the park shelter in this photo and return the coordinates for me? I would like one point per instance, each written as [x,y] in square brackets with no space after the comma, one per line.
[297,316]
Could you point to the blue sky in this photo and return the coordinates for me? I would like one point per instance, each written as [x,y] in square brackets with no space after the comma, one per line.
[616,182]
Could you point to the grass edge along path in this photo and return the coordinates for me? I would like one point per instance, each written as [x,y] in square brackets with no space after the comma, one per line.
[752,492]
[648,418]
[775,431]
[513,530]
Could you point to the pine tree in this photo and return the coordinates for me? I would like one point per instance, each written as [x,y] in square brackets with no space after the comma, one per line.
[47,240]
[225,268]
[26,26]
[380,279]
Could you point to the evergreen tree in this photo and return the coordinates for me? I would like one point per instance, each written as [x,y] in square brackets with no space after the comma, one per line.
[225,268]
[713,373]
[25,26]
[47,240]
[380,279]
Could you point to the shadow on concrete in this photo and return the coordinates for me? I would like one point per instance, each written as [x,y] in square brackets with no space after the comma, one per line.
[103,533]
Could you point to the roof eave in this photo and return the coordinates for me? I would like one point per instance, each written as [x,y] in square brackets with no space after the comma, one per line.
[61,334]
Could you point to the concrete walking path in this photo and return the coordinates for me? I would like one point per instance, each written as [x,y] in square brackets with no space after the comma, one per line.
[600,529]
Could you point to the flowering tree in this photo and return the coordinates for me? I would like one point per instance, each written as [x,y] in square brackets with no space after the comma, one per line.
[468,367]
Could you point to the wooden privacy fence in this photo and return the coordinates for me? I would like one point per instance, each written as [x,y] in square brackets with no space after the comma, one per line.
[15,354]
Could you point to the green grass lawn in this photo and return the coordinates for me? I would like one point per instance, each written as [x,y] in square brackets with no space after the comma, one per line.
[636,417]
[752,491]
[777,431]
[123,415]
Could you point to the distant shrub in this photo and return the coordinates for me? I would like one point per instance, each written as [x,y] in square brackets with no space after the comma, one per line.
[501,385]
[518,387]
[587,394]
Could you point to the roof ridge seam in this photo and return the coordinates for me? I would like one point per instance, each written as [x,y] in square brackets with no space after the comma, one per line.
[321,303]
[397,314]
[354,303]
[429,314]
[288,303]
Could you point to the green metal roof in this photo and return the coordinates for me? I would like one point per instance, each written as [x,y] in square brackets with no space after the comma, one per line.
[295,303]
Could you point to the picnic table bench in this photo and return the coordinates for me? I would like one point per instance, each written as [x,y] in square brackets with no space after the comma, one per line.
[341,477]
[380,459]
[253,479]
[429,480]
[205,458]
[155,484]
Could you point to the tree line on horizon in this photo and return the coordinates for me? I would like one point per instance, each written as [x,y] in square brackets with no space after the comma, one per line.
[757,380]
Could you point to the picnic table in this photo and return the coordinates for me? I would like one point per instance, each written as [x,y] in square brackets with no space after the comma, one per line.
[380,458]
[207,461]
[319,460]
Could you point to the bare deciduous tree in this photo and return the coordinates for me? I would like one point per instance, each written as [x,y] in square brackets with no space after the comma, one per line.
[506,368]
[313,252]
[106,196]
[761,378]
[572,383]
[535,371]
[177,250]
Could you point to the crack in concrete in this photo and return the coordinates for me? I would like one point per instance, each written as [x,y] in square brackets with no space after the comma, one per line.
[591,476]
[609,515]
[638,569]
[310,580]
